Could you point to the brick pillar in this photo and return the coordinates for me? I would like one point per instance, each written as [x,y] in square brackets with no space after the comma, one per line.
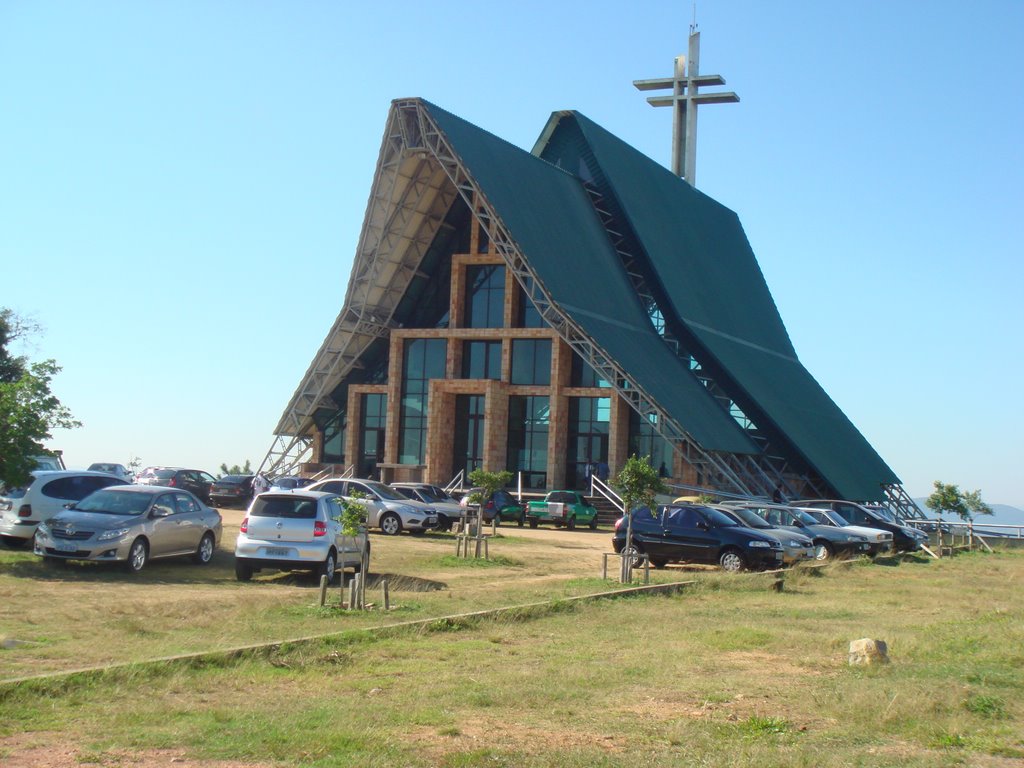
[440,435]
[354,425]
[618,438]
[395,352]
[557,440]
[495,426]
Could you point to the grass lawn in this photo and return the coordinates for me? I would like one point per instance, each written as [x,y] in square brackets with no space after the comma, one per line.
[726,673]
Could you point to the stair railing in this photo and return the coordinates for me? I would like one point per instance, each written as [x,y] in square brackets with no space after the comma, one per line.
[456,482]
[599,487]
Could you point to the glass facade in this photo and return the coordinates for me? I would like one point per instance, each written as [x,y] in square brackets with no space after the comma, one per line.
[585,376]
[527,315]
[468,444]
[531,362]
[644,440]
[528,426]
[589,426]
[423,360]
[481,360]
[334,440]
[485,296]
[372,434]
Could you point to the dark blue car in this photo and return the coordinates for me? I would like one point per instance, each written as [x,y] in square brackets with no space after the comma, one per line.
[695,534]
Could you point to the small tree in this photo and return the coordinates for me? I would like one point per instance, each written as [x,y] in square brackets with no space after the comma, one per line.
[949,498]
[488,483]
[638,483]
[353,517]
[235,469]
[29,411]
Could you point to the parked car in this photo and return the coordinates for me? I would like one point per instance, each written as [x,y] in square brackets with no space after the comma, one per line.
[50,462]
[880,541]
[796,547]
[829,542]
[117,470]
[289,483]
[131,524]
[22,509]
[297,530]
[449,511]
[501,506]
[567,508]
[697,534]
[192,480]
[232,489]
[386,508]
[904,538]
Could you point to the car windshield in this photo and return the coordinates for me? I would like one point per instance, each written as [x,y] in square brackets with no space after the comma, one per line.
[384,491]
[804,517]
[749,518]
[290,507]
[563,497]
[115,503]
[164,474]
[885,513]
[287,482]
[103,467]
[436,494]
[718,519]
[233,479]
[836,518]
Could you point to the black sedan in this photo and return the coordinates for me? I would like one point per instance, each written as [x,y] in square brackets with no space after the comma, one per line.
[696,534]
[232,489]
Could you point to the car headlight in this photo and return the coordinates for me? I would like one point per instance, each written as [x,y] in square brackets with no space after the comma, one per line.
[763,544]
[796,544]
[43,528]
[859,539]
[404,510]
[115,533]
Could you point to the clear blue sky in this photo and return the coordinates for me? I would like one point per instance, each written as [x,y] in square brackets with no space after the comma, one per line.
[183,186]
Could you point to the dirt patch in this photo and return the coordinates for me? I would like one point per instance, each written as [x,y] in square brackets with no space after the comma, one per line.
[440,742]
[45,750]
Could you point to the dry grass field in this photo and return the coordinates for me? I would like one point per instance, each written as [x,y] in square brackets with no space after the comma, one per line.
[728,672]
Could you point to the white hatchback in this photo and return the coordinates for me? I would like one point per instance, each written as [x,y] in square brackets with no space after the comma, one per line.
[297,531]
[47,493]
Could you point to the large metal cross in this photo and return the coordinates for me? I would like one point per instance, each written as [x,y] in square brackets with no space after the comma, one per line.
[685,100]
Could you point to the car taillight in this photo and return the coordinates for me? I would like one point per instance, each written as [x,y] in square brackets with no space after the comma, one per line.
[174,482]
[319,528]
[244,527]
[25,510]
[490,505]
[618,523]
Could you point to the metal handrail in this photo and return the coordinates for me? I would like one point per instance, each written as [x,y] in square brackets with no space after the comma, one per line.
[602,488]
[456,482]
[976,527]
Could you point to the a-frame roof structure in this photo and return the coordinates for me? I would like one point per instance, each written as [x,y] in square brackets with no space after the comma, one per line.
[548,215]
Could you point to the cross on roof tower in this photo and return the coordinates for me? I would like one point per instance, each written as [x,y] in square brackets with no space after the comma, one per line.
[685,99]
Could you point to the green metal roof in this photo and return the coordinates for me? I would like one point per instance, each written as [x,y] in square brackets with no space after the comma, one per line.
[549,215]
[697,249]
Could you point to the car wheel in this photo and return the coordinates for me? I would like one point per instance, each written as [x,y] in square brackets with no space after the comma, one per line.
[329,567]
[390,524]
[823,550]
[204,552]
[137,556]
[632,553]
[243,571]
[593,523]
[533,522]
[571,523]
[732,561]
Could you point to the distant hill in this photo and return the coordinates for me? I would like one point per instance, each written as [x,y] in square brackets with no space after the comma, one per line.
[1003,514]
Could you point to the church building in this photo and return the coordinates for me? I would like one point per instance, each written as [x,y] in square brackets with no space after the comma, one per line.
[548,310]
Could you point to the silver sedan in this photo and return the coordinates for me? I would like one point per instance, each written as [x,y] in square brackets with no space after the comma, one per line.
[131,524]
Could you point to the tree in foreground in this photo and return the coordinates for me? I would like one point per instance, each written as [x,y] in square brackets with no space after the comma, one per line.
[488,483]
[637,483]
[29,411]
[948,498]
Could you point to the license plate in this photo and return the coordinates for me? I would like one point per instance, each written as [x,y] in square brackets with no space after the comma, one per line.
[63,546]
[277,551]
